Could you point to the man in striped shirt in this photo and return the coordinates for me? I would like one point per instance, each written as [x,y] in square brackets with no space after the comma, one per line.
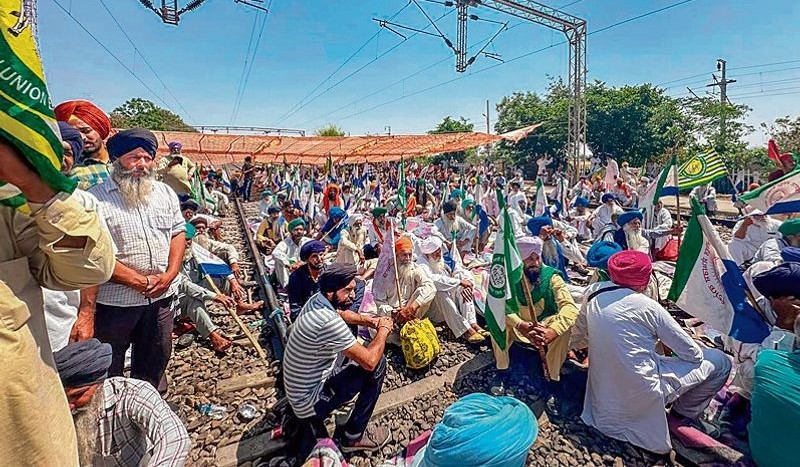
[315,380]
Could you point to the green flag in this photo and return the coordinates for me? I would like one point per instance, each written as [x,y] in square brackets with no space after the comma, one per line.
[506,269]
[701,169]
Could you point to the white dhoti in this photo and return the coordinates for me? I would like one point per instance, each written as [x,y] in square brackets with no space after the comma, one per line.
[691,386]
[451,308]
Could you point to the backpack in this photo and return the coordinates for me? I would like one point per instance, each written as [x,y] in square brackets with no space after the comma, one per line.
[419,342]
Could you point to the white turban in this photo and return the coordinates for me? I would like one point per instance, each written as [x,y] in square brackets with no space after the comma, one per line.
[430,244]
[354,218]
[529,245]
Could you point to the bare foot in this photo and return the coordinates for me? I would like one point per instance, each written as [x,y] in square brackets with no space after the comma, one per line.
[245,308]
[219,342]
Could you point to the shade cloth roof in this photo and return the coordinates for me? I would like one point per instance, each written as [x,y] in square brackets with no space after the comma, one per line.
[219,149]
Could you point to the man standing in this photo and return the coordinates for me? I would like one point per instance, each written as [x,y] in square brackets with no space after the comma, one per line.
[629,383]
[248,173]
[94,125]
[287,253]
[119,421]
[144,218]
[315,385]
[61,246]
[707,195]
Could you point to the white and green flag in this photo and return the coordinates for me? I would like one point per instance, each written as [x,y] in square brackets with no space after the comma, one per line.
[708,284]
[781,196]
[505,271]
[665,185]
[700,170]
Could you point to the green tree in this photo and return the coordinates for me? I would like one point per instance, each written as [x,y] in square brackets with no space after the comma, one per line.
[142,113]
[451,125]
[720,126]
[329,130]
[786,133]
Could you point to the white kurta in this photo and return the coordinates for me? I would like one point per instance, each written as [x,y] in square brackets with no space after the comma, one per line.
[629,383]
[743,249]
[662,223]
[284,254]
[602,216]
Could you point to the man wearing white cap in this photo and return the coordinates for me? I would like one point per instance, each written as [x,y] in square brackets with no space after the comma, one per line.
[750,233]
[453,302]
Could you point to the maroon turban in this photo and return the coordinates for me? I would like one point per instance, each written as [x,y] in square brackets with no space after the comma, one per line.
[86,111]
[630,268]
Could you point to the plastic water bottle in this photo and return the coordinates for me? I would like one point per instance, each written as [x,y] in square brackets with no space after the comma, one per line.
[215,411]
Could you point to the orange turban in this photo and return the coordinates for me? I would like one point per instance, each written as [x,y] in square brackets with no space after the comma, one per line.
[86,111]
[403,244]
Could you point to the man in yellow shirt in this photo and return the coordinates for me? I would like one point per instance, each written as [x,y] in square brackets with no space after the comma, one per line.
[61,246]
[547,325]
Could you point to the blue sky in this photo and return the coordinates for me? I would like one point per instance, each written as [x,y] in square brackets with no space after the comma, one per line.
[303,42]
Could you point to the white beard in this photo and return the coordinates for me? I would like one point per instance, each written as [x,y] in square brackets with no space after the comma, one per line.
[87,428]
[404,271]
[437,267]
[134,189]
[550,252]
[636,241]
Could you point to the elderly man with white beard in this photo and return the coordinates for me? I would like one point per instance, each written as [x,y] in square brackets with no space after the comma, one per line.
[456,228]
[413,299]
[453,302]
[750,233]
[136,307]
[352,241]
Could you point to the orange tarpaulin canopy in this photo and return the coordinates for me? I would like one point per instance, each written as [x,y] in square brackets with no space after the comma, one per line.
[218,149]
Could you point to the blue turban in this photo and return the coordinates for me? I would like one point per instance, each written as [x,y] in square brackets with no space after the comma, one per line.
[191,231]
[791,254]
[535,224]
[448,207]
[628,216]
[127,140]
[581,201]
[336,212]
[480,429]
[273,209]
[311,247]
[83,363]
[598,254]
[781,281]
[607,196]
[72,137]
[455,193]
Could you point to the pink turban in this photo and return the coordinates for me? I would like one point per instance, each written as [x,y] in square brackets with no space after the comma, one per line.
[529,245]
[630,268]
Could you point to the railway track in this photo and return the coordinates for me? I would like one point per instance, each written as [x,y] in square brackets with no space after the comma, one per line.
[412,401]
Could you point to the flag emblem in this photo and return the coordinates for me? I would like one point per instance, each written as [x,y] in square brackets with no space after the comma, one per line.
[694,168]
[701,169]
[497,277]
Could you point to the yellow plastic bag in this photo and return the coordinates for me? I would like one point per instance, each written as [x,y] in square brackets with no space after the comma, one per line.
[419,342]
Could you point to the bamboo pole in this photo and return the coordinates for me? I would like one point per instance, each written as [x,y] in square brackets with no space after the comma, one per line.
[232,311]
[529,299]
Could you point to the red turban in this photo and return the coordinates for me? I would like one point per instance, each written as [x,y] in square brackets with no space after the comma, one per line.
[86,111]
[630,268]
[403,244]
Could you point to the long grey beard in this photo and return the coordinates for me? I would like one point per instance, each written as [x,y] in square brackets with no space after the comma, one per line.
[87,428]
[404,272]
[134,185]
[550,252]
[437,266]
[636,241]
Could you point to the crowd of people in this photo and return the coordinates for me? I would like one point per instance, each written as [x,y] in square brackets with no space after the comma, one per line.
[361,255]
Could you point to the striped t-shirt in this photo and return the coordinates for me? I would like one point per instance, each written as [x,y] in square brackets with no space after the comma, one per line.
[316,339]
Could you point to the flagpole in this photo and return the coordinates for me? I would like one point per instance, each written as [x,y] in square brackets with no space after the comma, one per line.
[396,274]
[232,311]
[529,299]
[677,198]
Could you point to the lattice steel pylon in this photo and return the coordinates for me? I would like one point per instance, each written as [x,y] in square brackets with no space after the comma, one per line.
[574,29]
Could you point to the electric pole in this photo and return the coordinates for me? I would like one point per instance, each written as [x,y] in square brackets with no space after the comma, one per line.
[723,93]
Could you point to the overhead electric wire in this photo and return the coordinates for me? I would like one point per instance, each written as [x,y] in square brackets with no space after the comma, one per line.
[249,69]
[353,55]
[114,56]
[358,70]
[244,66]
[146,62]
[519,57]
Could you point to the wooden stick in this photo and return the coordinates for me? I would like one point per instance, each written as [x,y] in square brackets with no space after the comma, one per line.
[232,311]
[529,298]
[396,274]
